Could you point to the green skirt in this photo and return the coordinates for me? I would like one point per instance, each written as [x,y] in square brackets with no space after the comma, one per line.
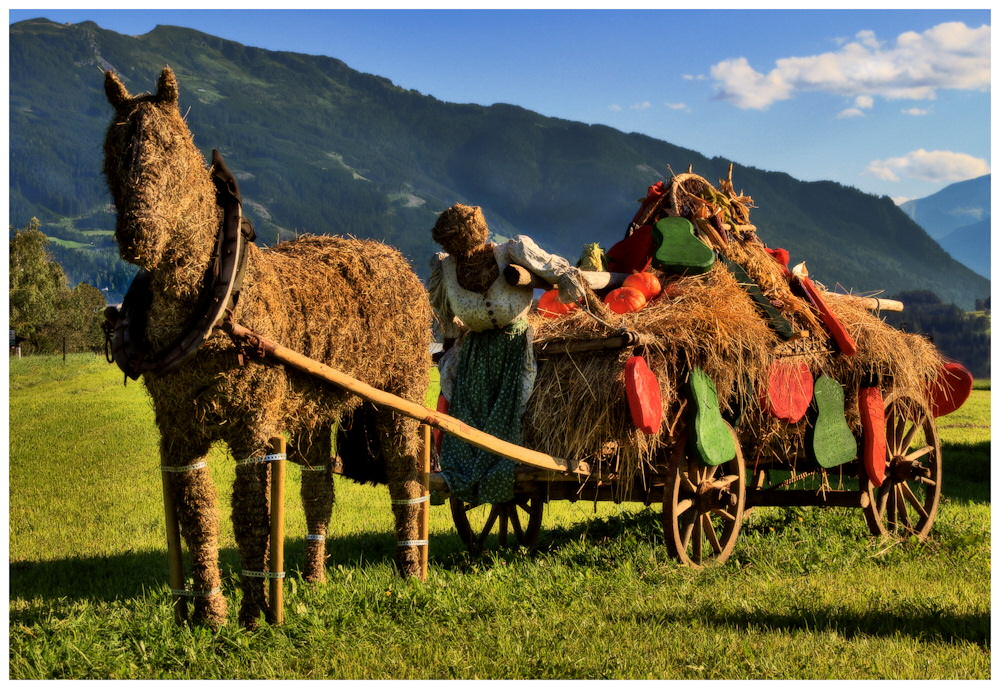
[489,394]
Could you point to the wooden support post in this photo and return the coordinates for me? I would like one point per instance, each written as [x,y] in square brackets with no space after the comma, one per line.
[425,506]
[276,564]
[175,557]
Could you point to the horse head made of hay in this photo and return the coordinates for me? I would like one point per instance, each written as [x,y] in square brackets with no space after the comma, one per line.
[157,178]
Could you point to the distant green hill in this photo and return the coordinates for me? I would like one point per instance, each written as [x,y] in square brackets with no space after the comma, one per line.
[321,148]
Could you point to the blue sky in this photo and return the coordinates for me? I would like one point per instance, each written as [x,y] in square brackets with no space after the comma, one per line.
[893,102]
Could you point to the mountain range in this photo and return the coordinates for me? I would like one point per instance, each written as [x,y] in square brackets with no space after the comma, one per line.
[958,218]
[321,148]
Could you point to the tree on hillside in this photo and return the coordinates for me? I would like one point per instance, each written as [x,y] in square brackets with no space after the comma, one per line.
[43,309]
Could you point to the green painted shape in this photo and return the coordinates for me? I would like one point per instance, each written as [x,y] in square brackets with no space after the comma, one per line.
[677,251]
[710,436]
[774,318]
[830,440]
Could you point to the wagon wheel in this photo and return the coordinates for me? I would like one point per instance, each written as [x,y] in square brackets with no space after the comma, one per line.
[703,507]
[907,501]
[516,522]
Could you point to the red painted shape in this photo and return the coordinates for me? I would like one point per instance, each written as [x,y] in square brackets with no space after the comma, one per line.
[872,411]
[643,393]
[779,255]
[789,390]
[632,254]
[839,333]
[950,389]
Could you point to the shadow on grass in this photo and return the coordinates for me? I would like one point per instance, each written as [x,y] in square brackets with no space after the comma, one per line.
[134,574]
[923,626]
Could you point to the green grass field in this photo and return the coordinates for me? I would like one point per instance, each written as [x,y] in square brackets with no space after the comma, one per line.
[808,594]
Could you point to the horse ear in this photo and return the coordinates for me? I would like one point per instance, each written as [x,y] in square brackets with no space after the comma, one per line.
[166,88]
[115,90]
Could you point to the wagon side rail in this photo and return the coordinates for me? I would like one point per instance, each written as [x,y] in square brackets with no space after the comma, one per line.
[439,420]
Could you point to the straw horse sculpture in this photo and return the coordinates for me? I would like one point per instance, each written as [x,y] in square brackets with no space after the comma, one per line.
[354,305]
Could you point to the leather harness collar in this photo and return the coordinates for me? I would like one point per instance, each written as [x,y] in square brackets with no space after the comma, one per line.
[126,329]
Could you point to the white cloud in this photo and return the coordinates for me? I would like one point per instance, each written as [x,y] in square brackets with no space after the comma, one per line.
[865,102]
[614,107]
[676,106]
[641,106]
[693,77]
[915,112]
[947,56]
[936,166]
[850,112]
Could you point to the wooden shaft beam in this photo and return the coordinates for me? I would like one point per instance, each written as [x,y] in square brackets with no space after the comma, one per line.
[448,424]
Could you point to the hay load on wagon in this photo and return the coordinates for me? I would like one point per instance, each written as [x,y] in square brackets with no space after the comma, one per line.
[708,321]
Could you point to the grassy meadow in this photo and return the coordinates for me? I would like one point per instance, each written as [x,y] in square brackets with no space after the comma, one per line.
[808,594]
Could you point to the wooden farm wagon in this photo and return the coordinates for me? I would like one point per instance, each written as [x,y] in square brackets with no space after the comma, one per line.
[742,383]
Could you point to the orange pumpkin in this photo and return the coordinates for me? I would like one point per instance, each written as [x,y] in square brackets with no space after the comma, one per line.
[549,305]
[625,300]
[647,283]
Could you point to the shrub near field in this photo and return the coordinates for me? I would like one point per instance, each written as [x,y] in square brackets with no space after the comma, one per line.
[808,594]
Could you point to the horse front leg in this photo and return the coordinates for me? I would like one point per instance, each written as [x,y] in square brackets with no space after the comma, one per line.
[401,447]
[194,500]
[317,502]
[251,527]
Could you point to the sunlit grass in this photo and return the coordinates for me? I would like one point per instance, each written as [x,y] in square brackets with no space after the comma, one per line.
[808,593]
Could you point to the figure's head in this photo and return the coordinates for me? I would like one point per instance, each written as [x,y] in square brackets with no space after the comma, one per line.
[152,168]
[461,229]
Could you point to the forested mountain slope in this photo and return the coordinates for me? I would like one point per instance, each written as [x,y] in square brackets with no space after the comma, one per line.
[321,148]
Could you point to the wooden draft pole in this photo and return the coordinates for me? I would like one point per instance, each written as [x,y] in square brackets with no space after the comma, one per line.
[175,556]
[276,560]
[448,424]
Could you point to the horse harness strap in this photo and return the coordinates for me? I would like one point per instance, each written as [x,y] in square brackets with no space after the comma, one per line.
[126,329]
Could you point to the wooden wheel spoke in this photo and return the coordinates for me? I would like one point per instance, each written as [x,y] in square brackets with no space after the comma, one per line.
[913,500]
[710,532]
[488,527]
[926,481]
[896,432]
[904,516]
[687,485]
[725,515]
[696,538]
[686,534]
[921,452]
[911,434]
[515,522]
[683,506]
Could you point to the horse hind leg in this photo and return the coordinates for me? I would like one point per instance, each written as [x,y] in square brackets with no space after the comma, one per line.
[194,500]
[317,502]
[401,448]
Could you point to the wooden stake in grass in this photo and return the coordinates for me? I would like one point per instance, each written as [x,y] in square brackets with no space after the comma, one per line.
[425,506]
[175,557]
[276,565]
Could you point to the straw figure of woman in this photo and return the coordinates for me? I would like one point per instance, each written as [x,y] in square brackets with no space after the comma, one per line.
[354,305]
